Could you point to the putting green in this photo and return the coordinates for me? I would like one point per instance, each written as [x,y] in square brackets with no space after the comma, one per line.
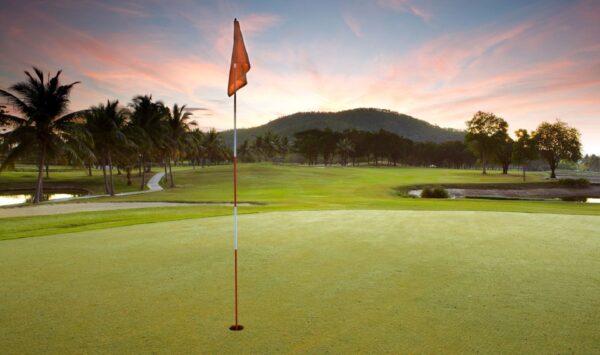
[315,281]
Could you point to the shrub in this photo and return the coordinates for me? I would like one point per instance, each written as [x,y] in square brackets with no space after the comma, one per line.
[575,183]
[434,192]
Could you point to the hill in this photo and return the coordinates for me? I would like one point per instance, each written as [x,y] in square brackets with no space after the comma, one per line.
[366,119]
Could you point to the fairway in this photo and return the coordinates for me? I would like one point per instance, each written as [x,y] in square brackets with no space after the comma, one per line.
[311,281]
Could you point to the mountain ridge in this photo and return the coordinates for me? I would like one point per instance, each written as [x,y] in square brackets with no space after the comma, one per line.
[366,119]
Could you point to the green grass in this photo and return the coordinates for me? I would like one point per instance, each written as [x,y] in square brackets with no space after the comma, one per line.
[287,188]
[363,281]
[64,177]
[23,227]
[332,260]
[307,187]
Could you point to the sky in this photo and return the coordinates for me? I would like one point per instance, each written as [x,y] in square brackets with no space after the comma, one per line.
[440,61]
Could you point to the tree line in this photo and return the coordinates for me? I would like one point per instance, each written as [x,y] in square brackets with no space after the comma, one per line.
[487,137]
[486,143]
[591,162]
[134,136]
[354,147]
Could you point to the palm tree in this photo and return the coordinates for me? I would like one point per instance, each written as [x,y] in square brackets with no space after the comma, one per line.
[214,146]
[127,155]
[195,149]
[106,123]
[179,126]
[244,152]
[148,129]
[345,148]
[44,126]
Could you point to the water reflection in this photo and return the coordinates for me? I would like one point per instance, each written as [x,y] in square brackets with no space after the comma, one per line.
[581,199]
[19,198]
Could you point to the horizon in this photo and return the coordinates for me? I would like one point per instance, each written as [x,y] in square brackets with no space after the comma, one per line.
[440,63]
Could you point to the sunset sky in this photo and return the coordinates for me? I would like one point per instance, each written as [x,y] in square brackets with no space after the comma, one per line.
[439,61]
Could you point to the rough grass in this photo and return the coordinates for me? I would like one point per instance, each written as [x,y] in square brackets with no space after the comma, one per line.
[311,282]
[64,177]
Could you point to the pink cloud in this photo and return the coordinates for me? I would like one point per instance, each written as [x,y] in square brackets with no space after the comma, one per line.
[353,25]
[525,71]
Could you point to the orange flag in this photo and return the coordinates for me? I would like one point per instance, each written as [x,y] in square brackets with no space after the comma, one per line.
[240,64]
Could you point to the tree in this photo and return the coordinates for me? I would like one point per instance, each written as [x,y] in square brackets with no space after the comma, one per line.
[503,154]
[267,145]
[214,147]
[345,148]
[106,124]
[307,144]
[245,152]
[179,124]
[557,141]
[591,162]
[127,158]
[45,125]
[360,143]
[485,132]
[523,149]
[283,146]
[328,145]
[3,129]
[195,149]
[148,129]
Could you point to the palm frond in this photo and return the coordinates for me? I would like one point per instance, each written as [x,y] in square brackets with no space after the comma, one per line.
[21,106]
[10,120]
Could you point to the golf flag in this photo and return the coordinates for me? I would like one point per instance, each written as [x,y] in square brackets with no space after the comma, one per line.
[240,64]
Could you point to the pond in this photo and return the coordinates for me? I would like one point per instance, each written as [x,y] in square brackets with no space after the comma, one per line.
[19,197]
[553,194]
[581,199]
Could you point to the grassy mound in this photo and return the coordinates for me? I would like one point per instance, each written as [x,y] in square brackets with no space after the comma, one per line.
[322,281]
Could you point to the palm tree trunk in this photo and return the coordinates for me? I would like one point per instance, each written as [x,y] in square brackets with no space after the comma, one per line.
[106,190]
[47,170]
[143,170]
[128,170]
[523,172]
[166,173]
[171,172]
[90,169]
[110,169]
[39,190]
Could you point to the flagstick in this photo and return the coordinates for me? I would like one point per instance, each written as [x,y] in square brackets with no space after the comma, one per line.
[236,326]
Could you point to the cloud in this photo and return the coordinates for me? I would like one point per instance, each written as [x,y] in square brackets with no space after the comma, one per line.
[537,68]
[406,6]
[353,25]
[260,22]
[123,9]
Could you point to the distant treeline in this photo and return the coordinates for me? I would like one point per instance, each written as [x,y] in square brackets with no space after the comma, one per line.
[487,144]
[354,147]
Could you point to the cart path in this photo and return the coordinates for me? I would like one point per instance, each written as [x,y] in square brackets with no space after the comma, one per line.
[61,208]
